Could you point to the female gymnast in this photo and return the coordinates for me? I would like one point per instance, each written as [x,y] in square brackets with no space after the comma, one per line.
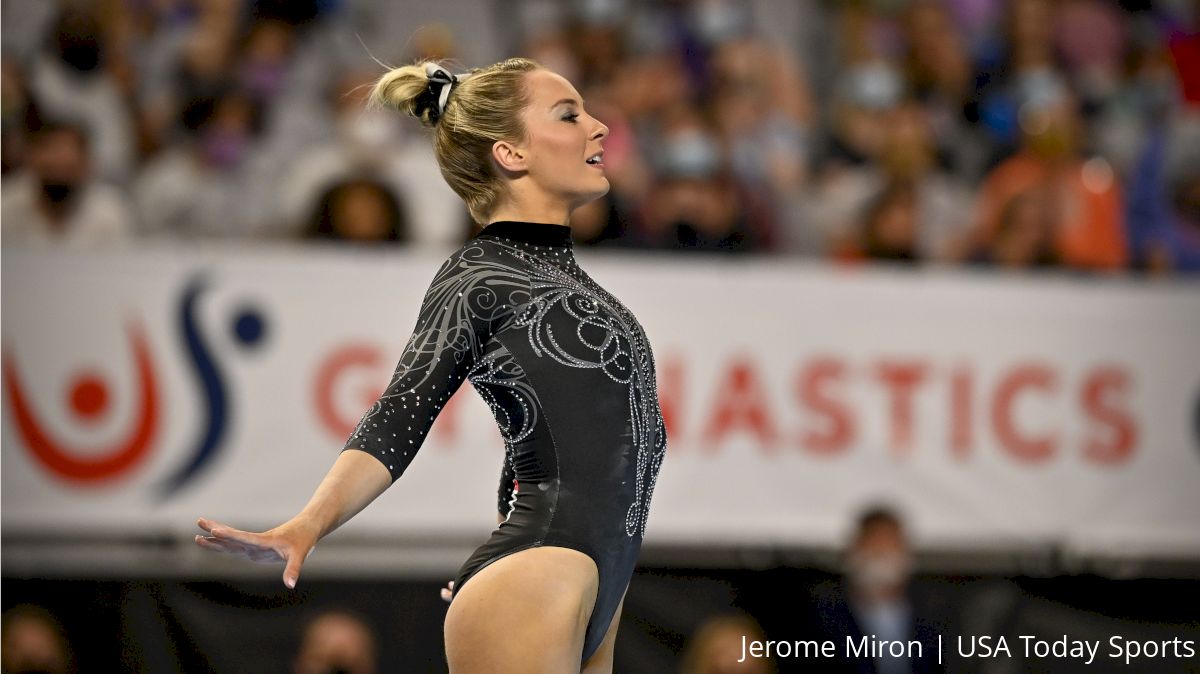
[564,366]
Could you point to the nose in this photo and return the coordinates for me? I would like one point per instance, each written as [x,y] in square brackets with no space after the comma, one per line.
[600,131]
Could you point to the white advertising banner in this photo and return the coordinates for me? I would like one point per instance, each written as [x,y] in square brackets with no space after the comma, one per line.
[145,388]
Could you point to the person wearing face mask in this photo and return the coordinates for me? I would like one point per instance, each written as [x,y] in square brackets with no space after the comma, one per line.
[55,201]
[697,204]
[215,184]
[906,165]
[1082,195]
[874,598]
[71,79]
[565,367]
[370,143]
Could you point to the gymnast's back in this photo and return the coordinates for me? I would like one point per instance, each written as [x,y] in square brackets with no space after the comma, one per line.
[569,375]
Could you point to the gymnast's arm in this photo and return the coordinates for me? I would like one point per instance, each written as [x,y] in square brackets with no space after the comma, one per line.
[353,482]
[448,338]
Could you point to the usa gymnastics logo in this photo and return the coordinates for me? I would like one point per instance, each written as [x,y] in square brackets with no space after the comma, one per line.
[88,400]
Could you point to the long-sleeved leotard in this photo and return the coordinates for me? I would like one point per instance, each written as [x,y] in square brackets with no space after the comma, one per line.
[569,376]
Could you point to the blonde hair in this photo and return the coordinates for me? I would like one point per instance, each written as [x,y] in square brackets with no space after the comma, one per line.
[482,108]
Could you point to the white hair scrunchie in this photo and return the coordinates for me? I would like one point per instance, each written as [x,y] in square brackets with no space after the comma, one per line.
[441,83]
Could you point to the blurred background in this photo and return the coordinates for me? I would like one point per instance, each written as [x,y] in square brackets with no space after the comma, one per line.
[921,276]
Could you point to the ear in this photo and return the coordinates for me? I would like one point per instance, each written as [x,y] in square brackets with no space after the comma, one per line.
[509,156]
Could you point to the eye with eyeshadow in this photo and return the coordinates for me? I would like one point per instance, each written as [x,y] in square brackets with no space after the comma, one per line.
[571,117]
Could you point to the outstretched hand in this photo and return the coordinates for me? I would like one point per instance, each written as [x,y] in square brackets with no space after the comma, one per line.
[288,544]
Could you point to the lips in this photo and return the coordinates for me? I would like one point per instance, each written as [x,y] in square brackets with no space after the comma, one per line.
[596,159]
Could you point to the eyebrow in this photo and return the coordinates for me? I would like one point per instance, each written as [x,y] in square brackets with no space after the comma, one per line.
[572,101]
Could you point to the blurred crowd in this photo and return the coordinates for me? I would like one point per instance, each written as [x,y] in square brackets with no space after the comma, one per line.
[1007,133]
[332,641]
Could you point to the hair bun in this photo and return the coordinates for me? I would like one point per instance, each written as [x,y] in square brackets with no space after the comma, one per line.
[437,92]
[421,90]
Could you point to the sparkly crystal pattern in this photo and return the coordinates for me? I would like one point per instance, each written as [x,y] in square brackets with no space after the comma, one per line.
[611,341]
[501,287]
[470,298]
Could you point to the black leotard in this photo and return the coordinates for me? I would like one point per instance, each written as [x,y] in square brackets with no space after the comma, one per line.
[569,375]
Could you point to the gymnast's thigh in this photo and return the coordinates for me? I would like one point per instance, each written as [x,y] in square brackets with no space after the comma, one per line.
[526,612]
[601,661]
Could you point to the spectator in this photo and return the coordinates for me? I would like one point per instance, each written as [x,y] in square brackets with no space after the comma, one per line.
[33,641]
[938,72]
[216,184]
[372,143]
[904,174]
[697,204]
[938,95]
[1165,199]
[761,109]
[55,201]
[1090,36]
[868,87]
[717,646]
[594,29]
[875,599]
[265,57]
[359,211]
[890,226]
[1082,195]
[71,80]
[1143,100]
[337,641]
[1024,238]
[1025,69]
[186,57]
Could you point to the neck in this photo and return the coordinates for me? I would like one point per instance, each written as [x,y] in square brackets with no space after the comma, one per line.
[539,207]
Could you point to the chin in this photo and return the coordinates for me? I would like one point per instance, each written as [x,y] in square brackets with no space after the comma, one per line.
[596,194]
[595,188]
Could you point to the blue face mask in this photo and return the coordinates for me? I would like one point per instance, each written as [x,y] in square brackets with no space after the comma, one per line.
[224,149]
[265,80]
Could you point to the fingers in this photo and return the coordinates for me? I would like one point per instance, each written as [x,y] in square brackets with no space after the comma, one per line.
[448,591]
[257,553]
[291,573]
[221,545]
[257,547]
[210,544]
[218,530]
[243,537]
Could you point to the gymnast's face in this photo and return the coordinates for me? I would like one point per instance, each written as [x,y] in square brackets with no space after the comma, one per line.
[560,138]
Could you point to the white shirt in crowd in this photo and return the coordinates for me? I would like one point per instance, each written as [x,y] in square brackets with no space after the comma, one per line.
[100,217]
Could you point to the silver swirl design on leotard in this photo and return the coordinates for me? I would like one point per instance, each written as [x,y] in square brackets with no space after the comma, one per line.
[473,294]
[498,374]
[613,341]
[469,294]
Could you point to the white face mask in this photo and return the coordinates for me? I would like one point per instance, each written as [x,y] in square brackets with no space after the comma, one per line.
[877,571]
[690,153]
